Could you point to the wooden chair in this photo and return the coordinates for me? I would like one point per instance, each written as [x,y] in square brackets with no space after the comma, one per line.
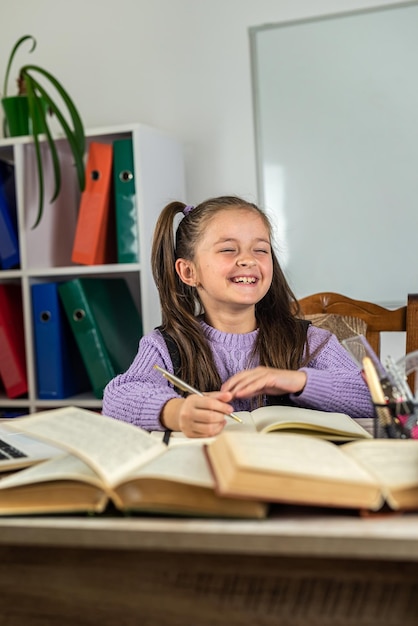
[377,319]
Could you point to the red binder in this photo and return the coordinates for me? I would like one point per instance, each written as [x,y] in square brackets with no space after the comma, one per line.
[95,238]
[12,342]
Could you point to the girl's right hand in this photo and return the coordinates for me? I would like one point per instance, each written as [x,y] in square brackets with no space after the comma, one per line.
[197,416]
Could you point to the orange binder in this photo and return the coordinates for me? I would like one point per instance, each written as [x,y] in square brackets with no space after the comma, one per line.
[95,238]
[12,342]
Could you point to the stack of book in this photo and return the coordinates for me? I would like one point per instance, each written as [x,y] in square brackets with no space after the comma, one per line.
[240,473]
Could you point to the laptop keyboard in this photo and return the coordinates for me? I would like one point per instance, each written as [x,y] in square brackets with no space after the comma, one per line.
[9,452]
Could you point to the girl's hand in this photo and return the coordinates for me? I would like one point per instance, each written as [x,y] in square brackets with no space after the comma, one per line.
[198,416]
[265,380]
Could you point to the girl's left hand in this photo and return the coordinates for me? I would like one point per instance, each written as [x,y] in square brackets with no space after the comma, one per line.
[265,380]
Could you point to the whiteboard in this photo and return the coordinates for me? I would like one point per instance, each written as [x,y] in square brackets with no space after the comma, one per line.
[336,125]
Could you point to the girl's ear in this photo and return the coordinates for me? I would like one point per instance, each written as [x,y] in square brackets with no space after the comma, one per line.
[186,271]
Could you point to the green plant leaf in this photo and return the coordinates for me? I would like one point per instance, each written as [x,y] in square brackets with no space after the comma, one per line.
[53,151]
[39,165]
[12,56]
[75,137]
[72,109]
[36,113]
[39,113]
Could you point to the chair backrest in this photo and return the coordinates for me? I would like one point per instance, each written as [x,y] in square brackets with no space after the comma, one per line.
[378,319]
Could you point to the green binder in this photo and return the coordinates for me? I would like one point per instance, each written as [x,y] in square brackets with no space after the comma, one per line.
[125,202]
[105,323]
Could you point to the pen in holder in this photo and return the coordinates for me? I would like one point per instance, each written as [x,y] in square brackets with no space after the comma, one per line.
[380,401]
[393,400]
[403,422]
[405,410]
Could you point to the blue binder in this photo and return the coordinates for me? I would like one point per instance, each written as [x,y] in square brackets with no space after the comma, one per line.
[9,244]
[60,371]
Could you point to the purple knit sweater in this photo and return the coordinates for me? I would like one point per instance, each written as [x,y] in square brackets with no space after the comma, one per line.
[334,382]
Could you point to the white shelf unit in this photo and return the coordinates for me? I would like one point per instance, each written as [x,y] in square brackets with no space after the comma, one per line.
[45,251]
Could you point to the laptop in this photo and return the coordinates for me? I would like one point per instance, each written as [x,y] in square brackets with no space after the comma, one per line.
[18,450]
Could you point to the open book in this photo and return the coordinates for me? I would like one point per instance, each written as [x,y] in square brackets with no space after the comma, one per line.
[306,470]
[272,419]
[105,460]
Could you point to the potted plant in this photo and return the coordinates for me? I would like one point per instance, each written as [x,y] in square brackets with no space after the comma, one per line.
[34,103]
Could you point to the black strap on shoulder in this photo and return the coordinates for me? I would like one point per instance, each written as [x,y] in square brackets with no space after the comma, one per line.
[172,349]
[305,323]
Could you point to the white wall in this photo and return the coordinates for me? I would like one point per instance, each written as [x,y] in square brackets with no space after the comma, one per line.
[182,65]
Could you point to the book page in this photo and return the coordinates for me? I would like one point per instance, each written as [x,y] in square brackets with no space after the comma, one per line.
[185,464]
[111,447]
[271,418]
[247,425]
[66,467]
[295,455]
[394,462]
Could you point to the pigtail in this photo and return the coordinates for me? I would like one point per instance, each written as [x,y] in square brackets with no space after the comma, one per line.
[179,303]
[176,298]
[163,258]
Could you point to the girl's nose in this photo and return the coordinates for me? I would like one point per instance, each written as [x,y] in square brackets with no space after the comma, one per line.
[247,261]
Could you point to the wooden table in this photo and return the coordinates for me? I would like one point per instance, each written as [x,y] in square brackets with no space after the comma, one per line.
[294,569]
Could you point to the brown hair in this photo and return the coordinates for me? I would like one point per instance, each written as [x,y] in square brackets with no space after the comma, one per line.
[281,338]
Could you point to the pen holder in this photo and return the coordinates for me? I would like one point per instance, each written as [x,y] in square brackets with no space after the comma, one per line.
[396,420]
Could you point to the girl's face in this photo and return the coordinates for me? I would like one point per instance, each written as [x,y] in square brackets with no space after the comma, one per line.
[233,266]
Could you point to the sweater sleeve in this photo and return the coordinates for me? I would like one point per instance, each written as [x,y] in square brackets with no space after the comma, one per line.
[138,395]
[334,382]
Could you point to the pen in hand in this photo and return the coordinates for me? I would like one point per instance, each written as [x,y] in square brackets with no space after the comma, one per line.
[185,387]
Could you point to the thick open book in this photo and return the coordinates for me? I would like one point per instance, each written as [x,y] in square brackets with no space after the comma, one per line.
[105,460]
[305,470]
[291,419]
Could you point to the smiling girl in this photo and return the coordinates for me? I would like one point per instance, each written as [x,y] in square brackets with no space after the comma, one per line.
[230,328]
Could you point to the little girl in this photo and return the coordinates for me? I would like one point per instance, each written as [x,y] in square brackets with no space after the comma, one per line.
[230,328]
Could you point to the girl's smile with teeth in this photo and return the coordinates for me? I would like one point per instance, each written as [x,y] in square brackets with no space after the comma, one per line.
[244,279]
